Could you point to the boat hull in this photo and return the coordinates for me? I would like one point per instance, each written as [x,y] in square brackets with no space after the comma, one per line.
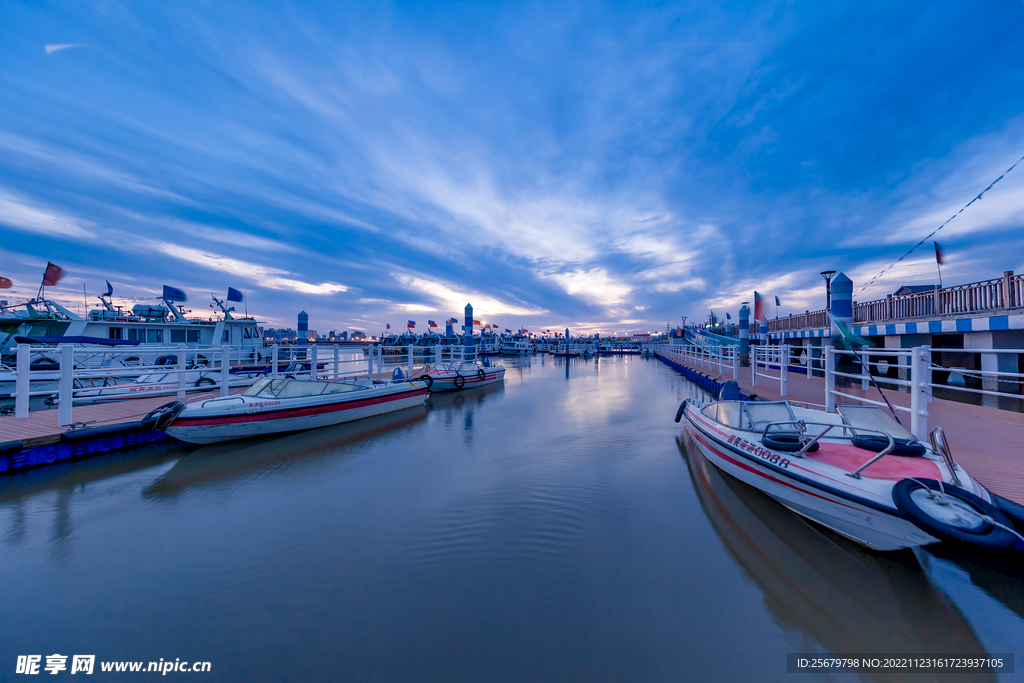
[875,528]
[448,383]
[204,430]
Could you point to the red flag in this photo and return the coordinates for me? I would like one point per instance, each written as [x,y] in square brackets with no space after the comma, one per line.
[389,326]
[494,326]
[52,275]
[476,322]
[5,283]
[758,308]
[938,253]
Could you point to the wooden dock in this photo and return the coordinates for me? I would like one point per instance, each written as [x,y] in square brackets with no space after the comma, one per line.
[986,441]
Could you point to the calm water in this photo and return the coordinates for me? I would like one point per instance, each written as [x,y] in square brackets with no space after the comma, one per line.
[556,528]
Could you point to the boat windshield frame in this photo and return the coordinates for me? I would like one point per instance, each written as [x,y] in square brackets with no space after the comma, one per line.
[271,387]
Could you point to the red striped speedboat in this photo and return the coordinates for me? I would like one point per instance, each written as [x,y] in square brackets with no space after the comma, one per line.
[461,375]
[856,471]
[286,405]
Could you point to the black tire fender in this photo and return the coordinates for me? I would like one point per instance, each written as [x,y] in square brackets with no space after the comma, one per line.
[429,380]
[986,536]
[161,417]
[481,374]
[682,409]
[460,381]
[905,448]
[205,381]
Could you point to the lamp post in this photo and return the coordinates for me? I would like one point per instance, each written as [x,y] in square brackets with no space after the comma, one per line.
[828,275]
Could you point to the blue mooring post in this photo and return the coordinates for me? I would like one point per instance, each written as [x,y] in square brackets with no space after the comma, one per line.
[842,303]
[745,335]
[303,331]
[467,330]
[842,313]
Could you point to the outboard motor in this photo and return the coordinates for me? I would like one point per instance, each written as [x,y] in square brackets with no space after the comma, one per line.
[397,375]
[730,392]
[487,362]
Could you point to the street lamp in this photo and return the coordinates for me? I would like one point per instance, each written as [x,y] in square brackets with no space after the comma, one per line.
[828,275]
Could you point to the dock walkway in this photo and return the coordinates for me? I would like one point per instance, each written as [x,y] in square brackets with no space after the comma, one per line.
[986,441]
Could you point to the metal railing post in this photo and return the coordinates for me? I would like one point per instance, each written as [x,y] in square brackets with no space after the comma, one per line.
[410,361]
[920,378]
[273,361]
[312,353]
[783,369]
[335,362]
[830,379]
[66,386]
[380,359]
[735,363]
[21,382]
[225,370]
[182,350]
[753,365]
[369,361]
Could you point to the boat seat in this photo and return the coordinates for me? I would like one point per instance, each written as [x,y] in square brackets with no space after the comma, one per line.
[730,392]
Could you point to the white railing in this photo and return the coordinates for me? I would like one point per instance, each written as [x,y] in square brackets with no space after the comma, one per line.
[785,359]
[221,368]
[726,357]
[915,367]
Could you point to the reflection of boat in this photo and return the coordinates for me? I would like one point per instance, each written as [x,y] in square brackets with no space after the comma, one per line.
[856,471]
[846,598]
[461,375]
[286,405]
[224,461]
[459,398]
[999,574]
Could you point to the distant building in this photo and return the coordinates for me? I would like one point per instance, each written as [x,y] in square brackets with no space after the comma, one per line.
[640,338]
[357,336]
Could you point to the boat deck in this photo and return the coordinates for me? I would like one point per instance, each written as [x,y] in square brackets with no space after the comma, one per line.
[986,441]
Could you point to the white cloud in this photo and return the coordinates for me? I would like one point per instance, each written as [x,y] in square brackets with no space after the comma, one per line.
[21,214]
[450,296]
[262,275]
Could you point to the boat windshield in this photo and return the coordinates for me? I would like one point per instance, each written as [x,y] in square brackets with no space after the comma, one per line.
[761,414]
[297,388]
[870,417]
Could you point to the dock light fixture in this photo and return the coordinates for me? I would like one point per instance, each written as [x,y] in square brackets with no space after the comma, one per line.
[828,275]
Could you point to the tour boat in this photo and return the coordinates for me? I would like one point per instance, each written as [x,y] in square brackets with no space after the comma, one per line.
[516,346]
[284,405]
[856,471]
[461,375]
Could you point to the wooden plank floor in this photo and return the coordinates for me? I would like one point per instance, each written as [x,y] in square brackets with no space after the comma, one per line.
[979,436]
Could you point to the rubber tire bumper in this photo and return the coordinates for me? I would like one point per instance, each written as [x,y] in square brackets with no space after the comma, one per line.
[429,380]
[904,448]
[161,417]
[481,374]
[988,537]
[786,443]
[460,381]
[682,409]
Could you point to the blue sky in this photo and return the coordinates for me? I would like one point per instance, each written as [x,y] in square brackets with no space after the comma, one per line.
[599,166]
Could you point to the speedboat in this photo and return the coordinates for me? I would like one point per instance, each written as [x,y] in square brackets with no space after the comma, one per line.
[857,471]
[461,375]
[92,392]
[283,405]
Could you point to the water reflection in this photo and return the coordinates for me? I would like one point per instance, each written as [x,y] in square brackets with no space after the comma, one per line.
[219,463]
[837,594]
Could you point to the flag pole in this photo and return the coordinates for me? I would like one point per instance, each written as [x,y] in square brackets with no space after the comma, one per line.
[938,261]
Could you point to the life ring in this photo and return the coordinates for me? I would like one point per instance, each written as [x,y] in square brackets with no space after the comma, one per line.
[787,443]
[460,381]
[429,380]
[205,381]
[907,448]
[161,417]
[952,514]
[481,374]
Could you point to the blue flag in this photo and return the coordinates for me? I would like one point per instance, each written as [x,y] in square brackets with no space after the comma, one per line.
[174,294]
[728,316]
[110,290]
[234,294]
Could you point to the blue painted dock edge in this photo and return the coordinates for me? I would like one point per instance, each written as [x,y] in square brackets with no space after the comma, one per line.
[76,444]
[712,386]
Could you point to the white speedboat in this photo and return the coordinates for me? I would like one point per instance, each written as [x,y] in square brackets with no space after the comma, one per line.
[88,392]
[856,471]
[283,405]
[461,375]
